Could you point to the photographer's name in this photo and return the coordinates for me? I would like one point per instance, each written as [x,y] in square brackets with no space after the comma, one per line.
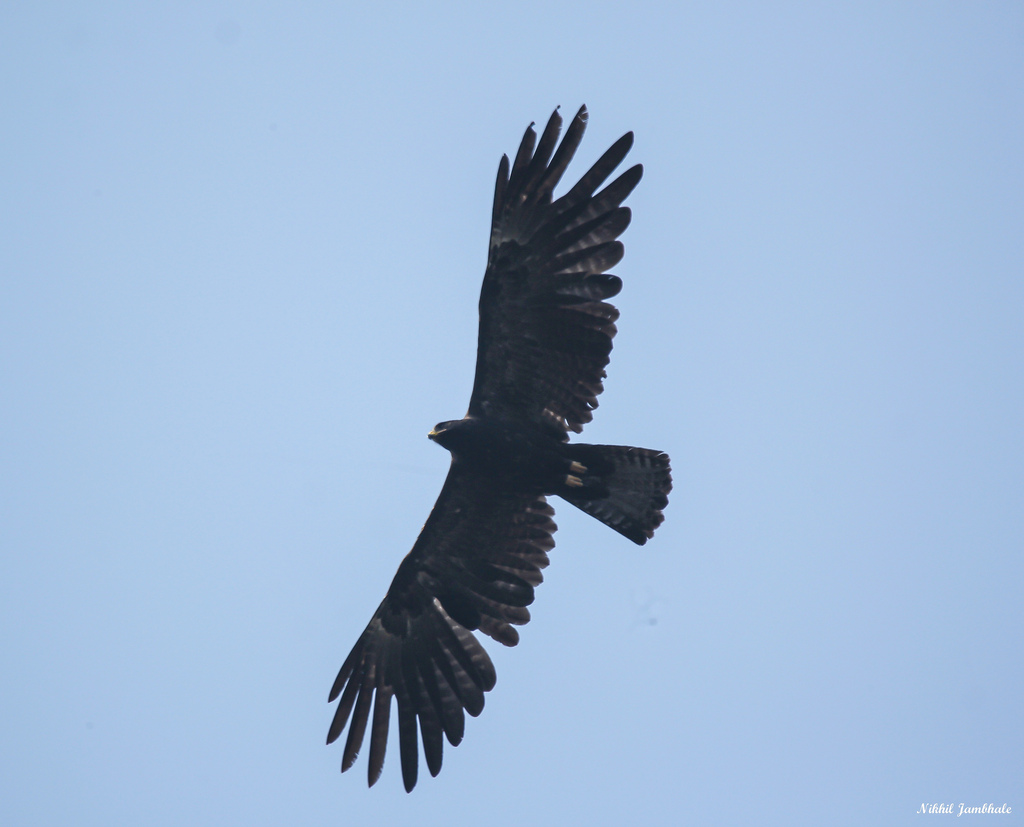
[950,809]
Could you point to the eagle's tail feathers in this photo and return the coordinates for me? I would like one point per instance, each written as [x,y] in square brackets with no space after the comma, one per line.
[625,488]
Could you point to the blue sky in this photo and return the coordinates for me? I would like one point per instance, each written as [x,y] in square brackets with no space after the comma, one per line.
[240,253]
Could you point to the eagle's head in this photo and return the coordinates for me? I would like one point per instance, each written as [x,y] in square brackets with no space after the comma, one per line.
[441,430]
[452,434]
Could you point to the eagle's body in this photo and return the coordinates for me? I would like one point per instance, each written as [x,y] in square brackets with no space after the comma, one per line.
[545,338]
[521,459]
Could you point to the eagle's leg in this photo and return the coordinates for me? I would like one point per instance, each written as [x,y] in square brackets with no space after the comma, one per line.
[574,479]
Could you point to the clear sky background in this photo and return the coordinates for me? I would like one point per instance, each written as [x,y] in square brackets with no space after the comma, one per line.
[240,253]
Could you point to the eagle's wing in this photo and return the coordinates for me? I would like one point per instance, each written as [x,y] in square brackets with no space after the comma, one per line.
[545,329]
[474,566]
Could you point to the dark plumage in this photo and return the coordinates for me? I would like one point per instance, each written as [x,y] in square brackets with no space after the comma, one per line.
[545,337]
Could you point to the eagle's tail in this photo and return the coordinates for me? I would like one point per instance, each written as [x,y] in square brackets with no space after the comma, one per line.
[625,488]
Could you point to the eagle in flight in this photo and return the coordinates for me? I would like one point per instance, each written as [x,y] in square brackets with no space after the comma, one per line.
[545,337]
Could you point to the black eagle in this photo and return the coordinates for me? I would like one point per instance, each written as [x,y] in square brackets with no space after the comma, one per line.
[545,338]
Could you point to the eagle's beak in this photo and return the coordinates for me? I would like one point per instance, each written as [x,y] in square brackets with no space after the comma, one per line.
[433,433]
